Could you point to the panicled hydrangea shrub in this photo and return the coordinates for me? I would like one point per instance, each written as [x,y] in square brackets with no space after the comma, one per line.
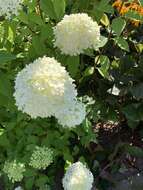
[44,88]
[10,7]
[41,157]
[78,177]
[72,115]
[14,170]
[76,33]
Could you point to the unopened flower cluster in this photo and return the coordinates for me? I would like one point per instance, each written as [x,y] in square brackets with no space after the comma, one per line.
[44,88]
[78,177]
[14,170]
[41,157]
[10,7]
[76,33]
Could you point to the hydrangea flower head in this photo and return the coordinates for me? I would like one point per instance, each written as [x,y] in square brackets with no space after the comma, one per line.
[41,157]
[78,177]
[76,33]
[72,115]
[43,88]
[14,170]
[10,7]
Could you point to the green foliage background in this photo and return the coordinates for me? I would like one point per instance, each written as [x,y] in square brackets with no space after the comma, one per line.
[112,77]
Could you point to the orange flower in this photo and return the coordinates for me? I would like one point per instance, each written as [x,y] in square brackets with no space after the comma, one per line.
[124,7]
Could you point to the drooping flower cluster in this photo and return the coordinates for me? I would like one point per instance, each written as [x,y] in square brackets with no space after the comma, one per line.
[76,33]
[14,170]
[10,7]
[78,177]
[44,88]
[41,157]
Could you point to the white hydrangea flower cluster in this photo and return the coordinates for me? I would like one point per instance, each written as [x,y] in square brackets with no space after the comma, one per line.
[44,88]
[78,177]
[10,7]
[72,115]
[76,33]
[14,170]
[41,157]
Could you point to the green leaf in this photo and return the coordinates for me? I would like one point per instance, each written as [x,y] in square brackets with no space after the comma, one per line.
[47,34]
[122,43]
[73,65]
[59,7]
[41,181]
[137,91]
[5,57]
[88,71]
[134,15]
[54,8]
[118,25]
[97,14]
[101,7]
[104,66]
[36,42]
[134,151]
[29,173]
[48,8]
[132,113]
[141,2]
[5,85]
[105,20]
[132,124]
[29,182]
[33,17]
[23,17]
[105,6]
[103,41]
[4,141]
